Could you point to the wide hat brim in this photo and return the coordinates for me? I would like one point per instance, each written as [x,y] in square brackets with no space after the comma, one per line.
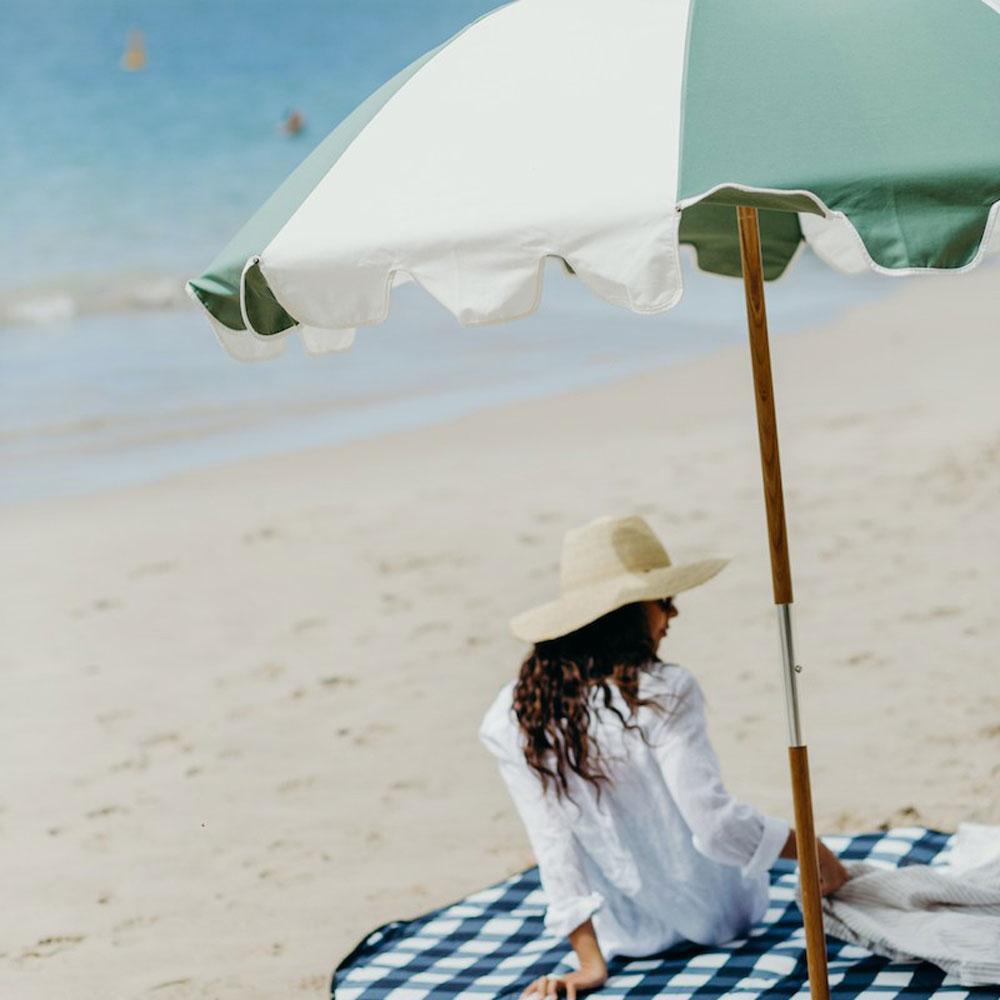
[583,605]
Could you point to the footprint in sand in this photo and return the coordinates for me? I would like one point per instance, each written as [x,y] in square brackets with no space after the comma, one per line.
[408,785]
[376,729]
[296,784]
[153,569]
[101,604]
[907,816]
[426,627]
[335,680]
[417,561]
[130,764]
[306,624]
[313,984]
[940,611]
[549,516]
[393,603]
[269,671]
[847,820]
[105,811]
[159,739]
[49,946]
[131,923]
[262,534]
[862,659]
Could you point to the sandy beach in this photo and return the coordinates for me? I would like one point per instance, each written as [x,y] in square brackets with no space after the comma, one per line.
[241,704]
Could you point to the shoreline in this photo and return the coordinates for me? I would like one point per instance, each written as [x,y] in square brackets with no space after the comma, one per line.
[105,401]
[245,699]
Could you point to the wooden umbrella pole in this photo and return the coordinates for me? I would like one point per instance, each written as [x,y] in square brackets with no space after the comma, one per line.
[781,578]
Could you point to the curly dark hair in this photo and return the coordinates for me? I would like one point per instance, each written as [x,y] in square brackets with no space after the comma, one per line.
[553,695]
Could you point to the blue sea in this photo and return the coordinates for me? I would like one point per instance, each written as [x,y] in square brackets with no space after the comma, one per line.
[119,185]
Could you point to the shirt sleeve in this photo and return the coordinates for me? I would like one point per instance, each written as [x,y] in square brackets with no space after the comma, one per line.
[564,881]
[723,828]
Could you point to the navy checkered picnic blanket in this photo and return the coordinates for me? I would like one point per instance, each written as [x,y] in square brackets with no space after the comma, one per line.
[493,944]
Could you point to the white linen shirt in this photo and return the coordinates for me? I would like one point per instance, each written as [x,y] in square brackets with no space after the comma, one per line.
[664,853]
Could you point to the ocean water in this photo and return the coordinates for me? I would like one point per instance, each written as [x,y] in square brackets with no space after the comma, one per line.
[116,173]
[119,185]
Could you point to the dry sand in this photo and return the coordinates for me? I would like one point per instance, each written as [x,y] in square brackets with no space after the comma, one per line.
[240,707]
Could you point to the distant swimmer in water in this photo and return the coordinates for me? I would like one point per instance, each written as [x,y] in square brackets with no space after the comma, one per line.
[294,123]
[135,51]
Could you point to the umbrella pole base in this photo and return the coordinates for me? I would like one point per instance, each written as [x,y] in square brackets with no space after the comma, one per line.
[805,848]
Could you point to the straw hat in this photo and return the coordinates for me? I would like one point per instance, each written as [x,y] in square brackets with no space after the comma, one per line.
[606,564]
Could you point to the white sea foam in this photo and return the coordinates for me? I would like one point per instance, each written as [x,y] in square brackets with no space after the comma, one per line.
[68,297]
[55,308]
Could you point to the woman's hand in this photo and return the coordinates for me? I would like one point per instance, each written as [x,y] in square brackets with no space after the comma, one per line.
[832,874]
[582,979]
[593,971]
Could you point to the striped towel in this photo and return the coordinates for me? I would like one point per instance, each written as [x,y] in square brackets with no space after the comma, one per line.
[493,943]
[947,915]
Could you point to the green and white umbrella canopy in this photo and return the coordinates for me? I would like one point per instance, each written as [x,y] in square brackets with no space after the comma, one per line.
[606,133]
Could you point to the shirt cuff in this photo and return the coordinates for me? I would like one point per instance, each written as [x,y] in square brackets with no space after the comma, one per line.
[564,917]
[771,842]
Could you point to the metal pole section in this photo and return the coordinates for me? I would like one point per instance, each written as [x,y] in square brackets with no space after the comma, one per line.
[789,668]
[781,579]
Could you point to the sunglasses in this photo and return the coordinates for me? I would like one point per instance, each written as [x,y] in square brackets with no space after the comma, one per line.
[666,604]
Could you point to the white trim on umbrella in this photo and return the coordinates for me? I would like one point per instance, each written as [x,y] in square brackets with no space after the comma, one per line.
[835,240]
[239,344]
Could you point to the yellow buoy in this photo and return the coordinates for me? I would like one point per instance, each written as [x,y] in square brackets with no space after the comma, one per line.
[135,51]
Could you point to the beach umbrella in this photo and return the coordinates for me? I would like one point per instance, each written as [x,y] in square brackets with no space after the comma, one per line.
[606,134]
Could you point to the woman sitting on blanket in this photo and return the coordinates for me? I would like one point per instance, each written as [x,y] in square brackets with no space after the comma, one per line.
[604,749]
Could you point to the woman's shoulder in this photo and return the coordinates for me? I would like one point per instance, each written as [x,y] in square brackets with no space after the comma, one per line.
[498,729]
[675,695]
[666,680]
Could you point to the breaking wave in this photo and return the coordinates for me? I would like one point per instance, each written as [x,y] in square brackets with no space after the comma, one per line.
[68,297]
